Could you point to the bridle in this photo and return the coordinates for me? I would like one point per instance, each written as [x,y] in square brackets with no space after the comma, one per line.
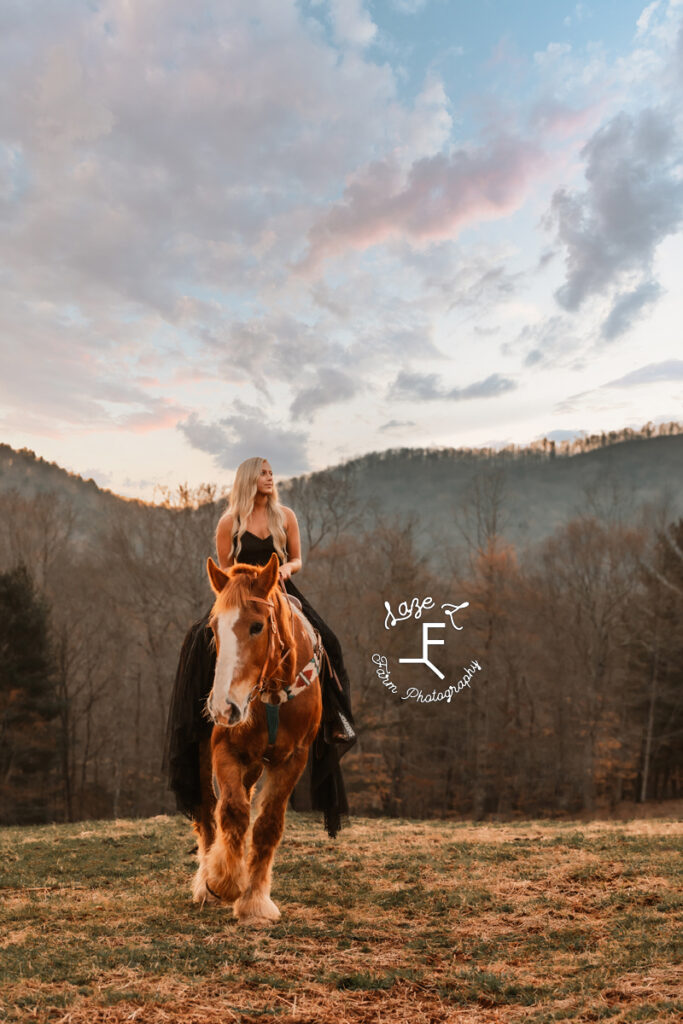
[274,698]
[274,637]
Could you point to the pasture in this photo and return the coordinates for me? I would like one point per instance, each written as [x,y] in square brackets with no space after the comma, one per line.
[394,921]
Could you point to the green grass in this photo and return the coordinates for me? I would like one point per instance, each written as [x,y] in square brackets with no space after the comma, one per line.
[393,921]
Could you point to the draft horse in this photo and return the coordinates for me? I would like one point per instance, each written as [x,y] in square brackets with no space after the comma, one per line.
[266,707]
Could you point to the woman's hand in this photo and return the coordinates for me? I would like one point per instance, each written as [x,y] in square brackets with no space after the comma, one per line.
[285,571]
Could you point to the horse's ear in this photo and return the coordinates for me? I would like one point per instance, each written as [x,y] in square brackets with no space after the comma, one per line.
[217,577]
[267,578]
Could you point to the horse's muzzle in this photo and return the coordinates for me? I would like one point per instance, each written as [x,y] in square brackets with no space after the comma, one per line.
[231,716]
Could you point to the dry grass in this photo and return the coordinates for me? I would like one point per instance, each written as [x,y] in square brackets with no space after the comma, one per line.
[395,921]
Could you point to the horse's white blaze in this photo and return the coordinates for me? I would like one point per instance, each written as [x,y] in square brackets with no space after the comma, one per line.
[228,663]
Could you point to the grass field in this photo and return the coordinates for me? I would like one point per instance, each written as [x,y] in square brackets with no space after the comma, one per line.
[393,921]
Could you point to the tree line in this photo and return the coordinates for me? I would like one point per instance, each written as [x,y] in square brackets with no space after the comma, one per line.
[544,448]
[577,703]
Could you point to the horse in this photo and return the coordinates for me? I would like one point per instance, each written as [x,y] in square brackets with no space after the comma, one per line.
[266,707]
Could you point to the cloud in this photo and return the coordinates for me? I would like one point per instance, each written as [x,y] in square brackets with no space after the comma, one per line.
[427,387]
[142,133]
[332,386]
[562,435]
[159,414]
[651,373]
[264,349]
[244,433]
[628,307]
[669,369]
[59,374]
[437,197]
[611,230]
[550,342]
[352,23]
[159,172]
[579,14]
[477,277]
[416,387]
[549,116]
[643,22]
[396,425]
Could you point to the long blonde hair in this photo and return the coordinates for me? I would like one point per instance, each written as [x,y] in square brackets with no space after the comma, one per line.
[241,505]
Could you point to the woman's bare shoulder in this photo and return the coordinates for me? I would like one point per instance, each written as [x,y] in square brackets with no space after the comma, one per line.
[288,514]
[224,523]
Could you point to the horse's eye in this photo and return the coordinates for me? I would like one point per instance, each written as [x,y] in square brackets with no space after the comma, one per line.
[255,628]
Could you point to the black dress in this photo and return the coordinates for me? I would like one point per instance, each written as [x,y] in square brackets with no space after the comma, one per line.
[194,678]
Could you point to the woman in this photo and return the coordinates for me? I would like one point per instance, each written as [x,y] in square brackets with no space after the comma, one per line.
[254,526]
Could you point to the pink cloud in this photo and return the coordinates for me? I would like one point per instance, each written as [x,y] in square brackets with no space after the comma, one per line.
[163,416]
[562,121]
[435,200]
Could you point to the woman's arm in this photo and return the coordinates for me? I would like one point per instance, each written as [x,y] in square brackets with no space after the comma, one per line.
[293,545]
[224,541]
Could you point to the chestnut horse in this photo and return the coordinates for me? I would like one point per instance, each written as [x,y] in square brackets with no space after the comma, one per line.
[266,707]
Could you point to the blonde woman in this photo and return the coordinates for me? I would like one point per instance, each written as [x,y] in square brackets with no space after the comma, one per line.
[255,514]
[254,526]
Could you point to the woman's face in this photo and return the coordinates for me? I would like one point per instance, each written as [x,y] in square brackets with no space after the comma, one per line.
[264,484]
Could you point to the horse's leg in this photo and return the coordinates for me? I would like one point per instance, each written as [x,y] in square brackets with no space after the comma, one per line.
[204,823]
[251,777]
[255,905]
[224,861]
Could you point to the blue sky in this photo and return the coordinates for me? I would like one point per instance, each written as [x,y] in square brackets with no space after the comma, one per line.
[313,229]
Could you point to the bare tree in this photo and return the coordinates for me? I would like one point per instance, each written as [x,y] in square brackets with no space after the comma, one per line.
[38,531]
[657,645]
[591,574]
[326,505]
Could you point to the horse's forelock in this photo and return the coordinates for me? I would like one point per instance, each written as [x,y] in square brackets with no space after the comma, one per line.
[237,590]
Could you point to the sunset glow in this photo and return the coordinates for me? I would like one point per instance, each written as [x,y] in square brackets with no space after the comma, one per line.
[309,230]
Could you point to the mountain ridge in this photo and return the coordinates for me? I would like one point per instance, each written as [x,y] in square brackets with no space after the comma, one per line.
[540,486]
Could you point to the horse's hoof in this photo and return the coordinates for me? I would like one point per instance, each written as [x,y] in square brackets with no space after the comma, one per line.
[224,892]
[256,911]
[226,888]
[204,896]
[200,894]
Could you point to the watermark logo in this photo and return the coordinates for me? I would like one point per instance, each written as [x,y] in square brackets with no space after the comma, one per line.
[414,609]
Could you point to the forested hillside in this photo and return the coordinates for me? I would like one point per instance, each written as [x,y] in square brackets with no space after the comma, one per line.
[576,626]
[540,486]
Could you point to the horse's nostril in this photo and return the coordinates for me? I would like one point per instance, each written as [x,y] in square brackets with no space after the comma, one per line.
[234,713]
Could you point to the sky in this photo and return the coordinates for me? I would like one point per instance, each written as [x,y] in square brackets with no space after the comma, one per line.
[310,230]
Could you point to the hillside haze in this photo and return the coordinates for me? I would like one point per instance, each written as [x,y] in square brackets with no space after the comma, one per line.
[536,492]
[441,490]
